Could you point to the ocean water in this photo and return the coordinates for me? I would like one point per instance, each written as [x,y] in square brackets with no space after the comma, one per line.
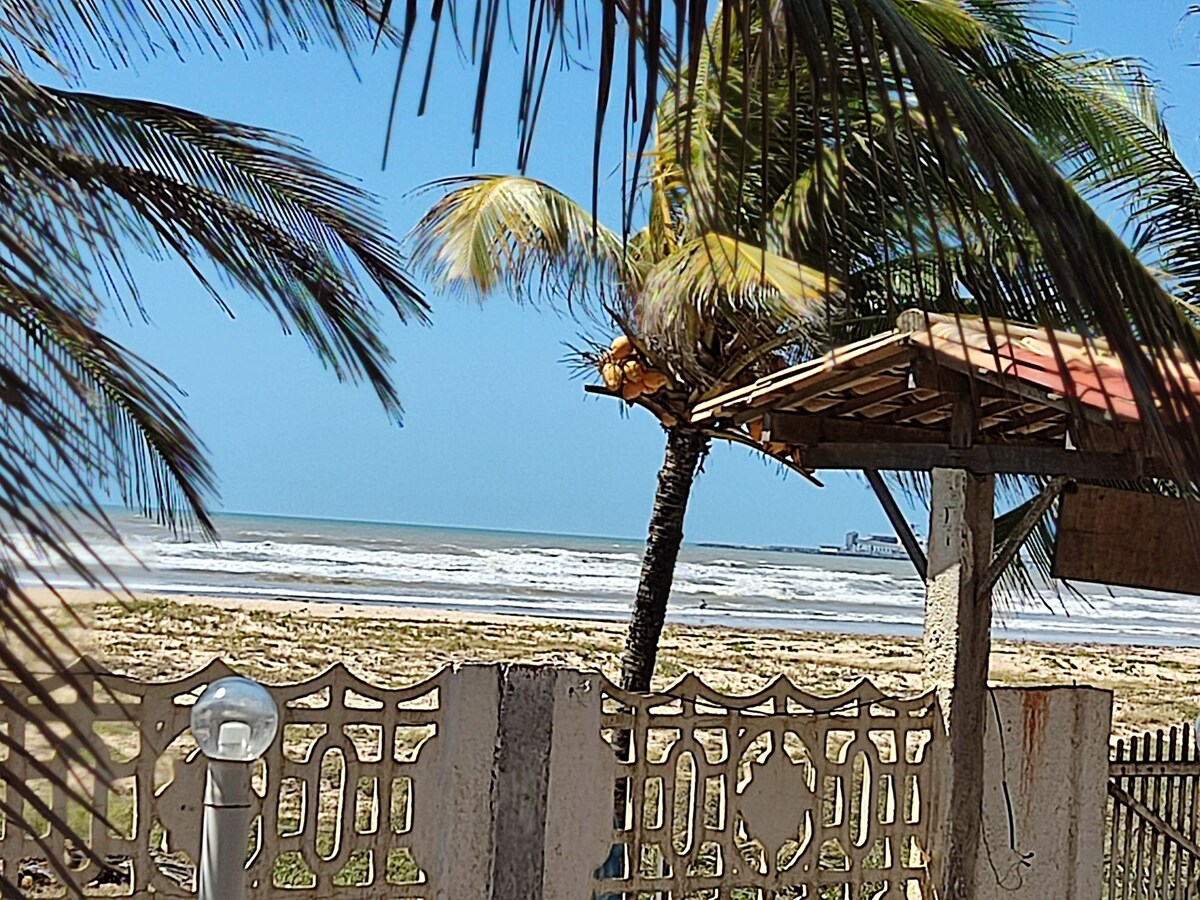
[590,578]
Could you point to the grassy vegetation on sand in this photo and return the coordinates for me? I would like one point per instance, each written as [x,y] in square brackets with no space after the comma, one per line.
[278,641]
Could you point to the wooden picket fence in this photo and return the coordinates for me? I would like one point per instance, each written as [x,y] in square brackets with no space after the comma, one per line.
[1154,814]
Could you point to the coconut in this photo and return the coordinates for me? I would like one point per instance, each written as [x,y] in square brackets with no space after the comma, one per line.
[653,380]
[755,429]
[612,374]
[634,370]
[621,349]
[631,390]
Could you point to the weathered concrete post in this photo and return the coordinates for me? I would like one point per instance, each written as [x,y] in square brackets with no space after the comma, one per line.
[455,802]
[958,623]
[1044,794]
[552,786]
[519,805]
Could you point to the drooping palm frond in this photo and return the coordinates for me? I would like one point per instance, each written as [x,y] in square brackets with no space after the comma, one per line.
[492,232]
[271,219]
[1141,171]
[108,418]
[79,415]
[74,36]
[715,287]
[85,180]
[1100,119]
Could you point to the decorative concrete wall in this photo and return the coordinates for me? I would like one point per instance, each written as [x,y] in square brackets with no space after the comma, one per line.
[532,783]
[1046,776]
[729,797]
[380,789]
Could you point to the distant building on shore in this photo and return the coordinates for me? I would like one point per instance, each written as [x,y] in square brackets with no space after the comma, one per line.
[878,546]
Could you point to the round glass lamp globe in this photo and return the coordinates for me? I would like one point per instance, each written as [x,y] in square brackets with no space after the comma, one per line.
[235,719]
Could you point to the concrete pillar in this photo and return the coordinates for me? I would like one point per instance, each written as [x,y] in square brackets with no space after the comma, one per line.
[452,802]
[957,645]
[1044,794]
[579,826]
[551,787]
[518,805]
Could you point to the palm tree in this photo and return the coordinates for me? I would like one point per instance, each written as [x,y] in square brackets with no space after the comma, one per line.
[87,179]
[918,61]
[498,230]
[729,279]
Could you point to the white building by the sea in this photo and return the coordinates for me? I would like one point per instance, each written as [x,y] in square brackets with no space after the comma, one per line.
[880,546]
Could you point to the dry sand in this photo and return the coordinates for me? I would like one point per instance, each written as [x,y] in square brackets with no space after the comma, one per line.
[161,637]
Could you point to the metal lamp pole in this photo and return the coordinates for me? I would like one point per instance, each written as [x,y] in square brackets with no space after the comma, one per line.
[233,721]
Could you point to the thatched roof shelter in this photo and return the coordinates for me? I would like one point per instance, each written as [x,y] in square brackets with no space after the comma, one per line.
[992,397]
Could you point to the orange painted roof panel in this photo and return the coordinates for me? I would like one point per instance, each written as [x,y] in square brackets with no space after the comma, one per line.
[1062,364]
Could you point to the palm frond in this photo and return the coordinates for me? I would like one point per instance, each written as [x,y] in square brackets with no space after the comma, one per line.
[79,415]
[269,217]
[83,179]
[492,232]
[101,415]
[716,275]
[74,37]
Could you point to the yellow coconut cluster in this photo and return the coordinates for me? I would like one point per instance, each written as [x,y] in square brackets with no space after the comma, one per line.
[622,370]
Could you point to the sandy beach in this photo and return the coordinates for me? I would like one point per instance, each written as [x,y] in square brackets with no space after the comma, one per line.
[161,637]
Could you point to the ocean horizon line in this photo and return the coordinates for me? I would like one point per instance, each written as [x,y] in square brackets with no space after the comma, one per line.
[699,543]
[429,526]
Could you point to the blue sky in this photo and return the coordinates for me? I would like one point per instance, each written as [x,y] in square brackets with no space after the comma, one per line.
[497,433]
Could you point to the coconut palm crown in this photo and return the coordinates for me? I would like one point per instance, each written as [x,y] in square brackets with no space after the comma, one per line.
[762,246]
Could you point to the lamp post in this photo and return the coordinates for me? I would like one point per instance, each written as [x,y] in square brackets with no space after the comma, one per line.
[233,721]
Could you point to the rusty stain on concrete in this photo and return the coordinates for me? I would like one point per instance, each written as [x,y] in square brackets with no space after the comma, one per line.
[1035,708]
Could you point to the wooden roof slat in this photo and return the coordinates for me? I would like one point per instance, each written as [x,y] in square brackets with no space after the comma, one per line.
[914,410]
[995,410]
[856,356]
[897,387]
[1039,415]
[844,376]
[818,404]
[876,383]
[1047,431]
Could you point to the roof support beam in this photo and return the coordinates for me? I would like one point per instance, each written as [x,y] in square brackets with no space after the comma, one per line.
[896,517]
[807,429]
[964,422]
[997,459]
[1012,546]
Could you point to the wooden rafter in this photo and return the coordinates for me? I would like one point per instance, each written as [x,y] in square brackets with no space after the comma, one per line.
[880,395]
[920,408]
[896,517]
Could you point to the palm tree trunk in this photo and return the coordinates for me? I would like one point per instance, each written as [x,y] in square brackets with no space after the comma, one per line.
[685,448]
